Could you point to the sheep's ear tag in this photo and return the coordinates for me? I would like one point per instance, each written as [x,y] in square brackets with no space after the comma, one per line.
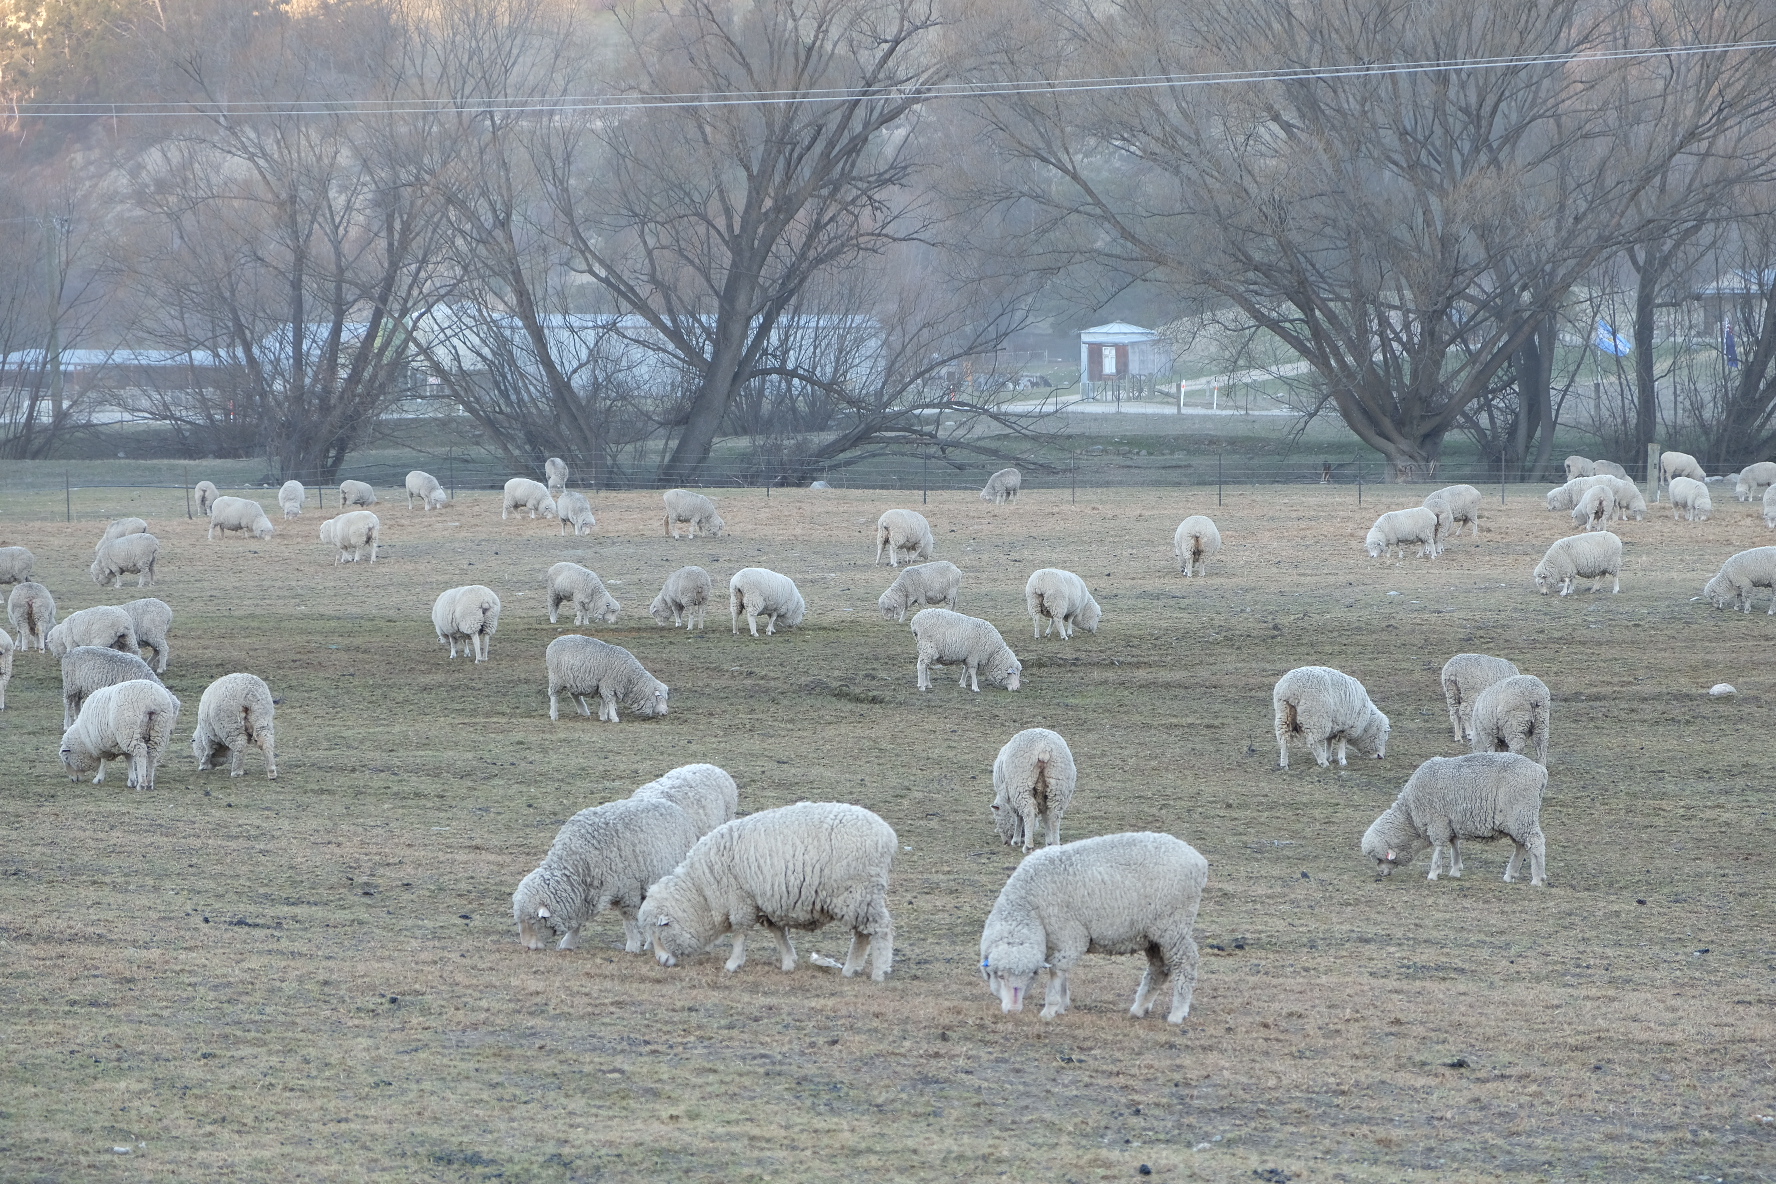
[985,962]
[1046,966]
[663,922]
[1390,856]
[543,912]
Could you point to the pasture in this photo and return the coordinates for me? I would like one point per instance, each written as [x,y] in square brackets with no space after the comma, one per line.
[318,978]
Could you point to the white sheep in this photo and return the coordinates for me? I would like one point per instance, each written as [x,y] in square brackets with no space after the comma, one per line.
[1401,529]
[32,611]
[422,485]
[6,654]
[1063,600]
[1578,466]
[1690,498]
[555,476]
[356,493]
[1465,676]
[903,534]
[238,513]
[574,510]
[705,792]
[1770,508]
[292,496]
[1323,706]
[119,528]
[17,565]
[793,867]
[1194,543]
[131,720]
[137,553]
[569,583]
[1002,487]
[524,494]
[86,668]
[235,711]
[1562,498]
[205,492]
[604,857]
[1608,468]
[938,583]
[1595,509]
[948,638]
[1033,782]
[1680,464]
[152,618]
[684,598]
[352,532]
[1751,476]
[579,666]
[1437,504]
[1464,506]
[103,624]
[1486,795]
[1132,893]
[1629,502]
[468,615]
[761,592]
[1740,577]
[683,505]
[1580,556]
[1512,715]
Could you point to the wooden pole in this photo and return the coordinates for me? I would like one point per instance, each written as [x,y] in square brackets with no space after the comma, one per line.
[1219,479]
[67,491]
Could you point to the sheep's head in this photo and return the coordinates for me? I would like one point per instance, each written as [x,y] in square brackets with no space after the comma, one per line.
[435,499]
[715,525]
[1376,543]
[547,507]
[96,572]
[660,610]
[538,917]
[891,604]
[1719,592]
[1544,578]
[262,528]
[1388,850]
[651,701]
[1010,967]
[1373,739]
[608,614]
[1089,617]
[77,761]
[660,920]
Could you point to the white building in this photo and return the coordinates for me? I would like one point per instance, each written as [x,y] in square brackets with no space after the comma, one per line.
[1110,355]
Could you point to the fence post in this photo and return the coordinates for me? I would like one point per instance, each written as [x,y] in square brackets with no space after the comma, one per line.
[1218,479]
[452,478]
[68,494]
[187,479]
[1073,471]
[1359,485]
[1653,470]
[925,483]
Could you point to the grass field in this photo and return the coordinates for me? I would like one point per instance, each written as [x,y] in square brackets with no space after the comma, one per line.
[318,978]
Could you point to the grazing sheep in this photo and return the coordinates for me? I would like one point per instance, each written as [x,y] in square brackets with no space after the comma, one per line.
[1403,528]
[1751,476]
[1595,509]
[422,485]
[1323,705]
[1033,782]
[682,505]
[32,611]
[352,531]
[1691,497]
[604,857]
[1770,508]
[1580,556]
[205,493]
[793,867]
[5,666]
[118,529]
[104,625]
[356,493]
[1464,677]
[761,592]
[131,720]
[524,494]
[683,598]
[1486,795]
[1002,487]
[235,711]
[152,618]
[135,553]
[948,638]
[899,531]
[705,792]
[1679,464]
[574,510]
[86,668]
[292,496]
[1608,468]
[1132,893]
[17,565]
[1437,504]
[1464,506]
[1063,599]
[1741,576]
[1578,466]
[921,584]
[555,476]
[468,615]
[569,583]
[238,513]
[1511,715]
[1629,503]
[1194,543]
[580,666]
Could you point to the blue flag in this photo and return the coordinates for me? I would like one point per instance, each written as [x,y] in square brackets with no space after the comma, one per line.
[1732,347]
[1612,342]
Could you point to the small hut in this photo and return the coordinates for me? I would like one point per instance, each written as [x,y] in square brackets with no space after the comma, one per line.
[1120,359]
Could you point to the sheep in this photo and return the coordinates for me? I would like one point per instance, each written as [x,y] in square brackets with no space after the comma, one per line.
[792,867]
[574,510]
[356,493]
[236,710]
[6,653]
[948,638]
[683,598]
[1464,506]
[921,584]
[1063,599]
[133,720]
[569,583]
[1002,487]
[761,592]
[118,529]
[86,668]
[1033,782]
[906,531]
[1131,893]
[1562,498]
[238,513]
[1578,466]
[604,857]
[1746,486]
[1629,502]
[1464,677]
[1608,468]
[1437,504]
[469,615]
[1595,509]
[1679,464]
[1741,576]
[135,553]
[524,494]
[422,485]
[152,618]
[555,476]
[1194,543]
[205,492]
[1511,715]
[352,531]
[292,496]
[1484,795]
[1691,497]
[32,611]
[682,505]
[582,666]
[102,625]
[1399,528]
[1770,508]
[1580,556]
[17,565]
[1323,705]
[704,792]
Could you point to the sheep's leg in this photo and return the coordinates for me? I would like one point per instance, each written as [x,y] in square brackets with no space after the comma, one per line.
[1027,828]
[1538,858]
[1516,861]
[924,673]
[1436,859]
[569,940]
[610,706]
[237,756]
[1151,982]
[1455,721]
[854,957]
[1343,743]
[1322,751]
[971,671]
[269,751]
[737,958]
[1036,625]
[1618,585]
[1182,961]
[585,707]
[1455,866]
[771,625]
[632,939]
[1056,1000]
[1053,829]
[1282,736]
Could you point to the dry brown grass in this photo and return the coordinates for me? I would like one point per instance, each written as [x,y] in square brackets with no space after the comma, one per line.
[252,980]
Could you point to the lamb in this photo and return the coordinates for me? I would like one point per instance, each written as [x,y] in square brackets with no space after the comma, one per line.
[899,531]
[1464,505]
[205,492]
[1194,543]
[683,598]
[118,529]
[1401,528]
[604,857]
[574,510]
[1033,782]
[1595,509]
[238,513]
[422,485]
[1511,715]
[1002,487]
[152,618]
[292,496]
[1485,795]
[1770,508]
[569,583]
[555,476]
[1323,705]
[582,666]
[86,668]
[1691,498]
[921,584]
[32,611]
[1465,676]
[1608,468]
[761,592]
[352,531]
[1679,464]
[1116,894]
[524,494]
[948,638]
[102,625]
[6,651]
[1580,556]
[793,867]
[236,710]
[17,565]
[469,615]
[133,720]
[682,505]
[1578,466]
[1741,576]
[1063,598]
[1752,476]
[704,792]
[135,553]
[356,493]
